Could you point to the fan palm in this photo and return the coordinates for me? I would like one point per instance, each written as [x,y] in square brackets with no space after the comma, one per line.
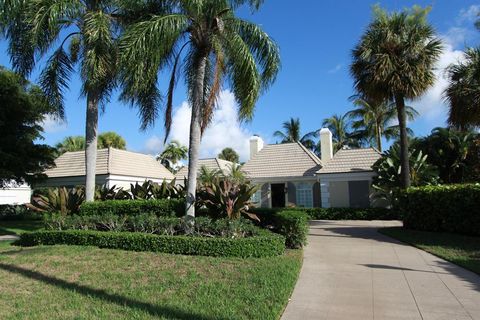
[463,92]
[85,34]
[173,153]
[229,154]
[111,139]
[394,60]
[340,126]
[372,120]
[291,133]
[71,143]
[210,44]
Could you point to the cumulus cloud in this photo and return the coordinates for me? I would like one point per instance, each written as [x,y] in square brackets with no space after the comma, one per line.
[224,131]
[336,68]
[50,124]
[153,145]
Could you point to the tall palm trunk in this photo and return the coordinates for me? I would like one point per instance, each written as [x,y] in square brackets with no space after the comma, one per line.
[402,123]
[195,136]
[91,145]
[378,133]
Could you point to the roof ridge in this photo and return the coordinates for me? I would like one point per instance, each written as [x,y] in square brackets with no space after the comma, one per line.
[310,154]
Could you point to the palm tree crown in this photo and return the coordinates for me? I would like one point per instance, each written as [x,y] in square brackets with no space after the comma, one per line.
[210,44]
[173,153]
[292,131]
[229,154]
[394,61]
[339,125]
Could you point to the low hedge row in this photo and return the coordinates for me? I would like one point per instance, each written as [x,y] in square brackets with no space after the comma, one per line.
[266,244]
[336,213]
[450,208]
[160,207]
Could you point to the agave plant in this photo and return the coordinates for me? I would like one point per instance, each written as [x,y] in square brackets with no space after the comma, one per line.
[227,198]
[62,200]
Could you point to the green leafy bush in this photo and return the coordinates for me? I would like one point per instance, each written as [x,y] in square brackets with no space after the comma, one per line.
[161,207]
[266,244]
[150,223]
[18,212]
[450,208]
[63,200]
[266,214]
[293,225]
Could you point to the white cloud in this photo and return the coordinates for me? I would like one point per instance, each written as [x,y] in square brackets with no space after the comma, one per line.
[153,145]
[224,131]
[469,14]
[336,68]
[50,124]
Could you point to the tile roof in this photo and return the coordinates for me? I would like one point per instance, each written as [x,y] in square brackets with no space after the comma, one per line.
[210,163]
[351,160]
[110,161]
[282,160]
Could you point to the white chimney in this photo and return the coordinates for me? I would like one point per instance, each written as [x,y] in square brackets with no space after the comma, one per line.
[256,144]
[326,144]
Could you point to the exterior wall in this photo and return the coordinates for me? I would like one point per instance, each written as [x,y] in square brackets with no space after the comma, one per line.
[15,195]
[125,181]
[336,188]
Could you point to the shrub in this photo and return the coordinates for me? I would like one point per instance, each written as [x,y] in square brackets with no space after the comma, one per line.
[293,225]
[63,200]
[161,207]
[17,212]
[450,208]
[266,244]
[266,214]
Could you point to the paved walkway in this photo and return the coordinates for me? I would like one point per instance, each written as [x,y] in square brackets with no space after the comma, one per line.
[9,237]
[350,271]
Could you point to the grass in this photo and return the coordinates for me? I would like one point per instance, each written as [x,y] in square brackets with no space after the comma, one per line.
[8,227]
[461,250]
[74,282]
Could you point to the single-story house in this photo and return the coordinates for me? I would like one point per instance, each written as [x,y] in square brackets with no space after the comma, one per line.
[15,194]
[114,167]
[289,174]
[211,164]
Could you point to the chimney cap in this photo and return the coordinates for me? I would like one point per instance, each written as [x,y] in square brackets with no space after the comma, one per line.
[325,130]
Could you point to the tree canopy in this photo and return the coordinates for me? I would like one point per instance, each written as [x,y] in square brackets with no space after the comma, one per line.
[23,108]
[229,154]
[105,140]
[292,133]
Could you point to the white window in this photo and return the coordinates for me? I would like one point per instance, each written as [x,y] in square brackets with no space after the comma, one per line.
[304,195]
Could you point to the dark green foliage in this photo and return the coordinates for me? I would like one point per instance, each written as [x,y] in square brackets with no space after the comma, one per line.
[103,193]
[450,208]
[266,215]
[153,190]
[22,108]
[150,223]
[160,207]
[229,154]
[265,245]
[17,212]
[293,225]
[62,200]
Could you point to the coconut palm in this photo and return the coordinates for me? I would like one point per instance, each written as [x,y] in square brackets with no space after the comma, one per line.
[70,33]
[394,60]
[372,120]
[210,44]
[463,91]
[291,133]
[339,125]
[229,154]
[208,176]
[172,154]
[111,139]
[71,143]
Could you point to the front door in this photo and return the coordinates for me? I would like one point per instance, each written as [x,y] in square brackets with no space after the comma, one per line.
[278,195]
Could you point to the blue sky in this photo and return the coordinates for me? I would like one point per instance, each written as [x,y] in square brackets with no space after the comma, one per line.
[315,38]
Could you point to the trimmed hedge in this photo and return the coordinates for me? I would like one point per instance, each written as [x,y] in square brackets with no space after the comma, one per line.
[293,225]
[450,208]
[266,244]
[160,207]
[335,213]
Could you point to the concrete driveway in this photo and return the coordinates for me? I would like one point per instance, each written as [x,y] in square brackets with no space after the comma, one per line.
[350,271]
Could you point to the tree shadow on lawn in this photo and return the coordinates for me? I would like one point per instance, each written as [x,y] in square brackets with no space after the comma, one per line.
[153,310]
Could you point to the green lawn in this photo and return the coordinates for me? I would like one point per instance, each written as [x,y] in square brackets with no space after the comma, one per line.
[461,250]
[20,226]
[74,282]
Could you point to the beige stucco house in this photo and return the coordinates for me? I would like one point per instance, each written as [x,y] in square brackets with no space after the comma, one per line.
[114,168]
[290,175]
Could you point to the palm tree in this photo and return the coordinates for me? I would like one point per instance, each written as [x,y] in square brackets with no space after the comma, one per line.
[111,139]
[71,143]
[229,154]
[339,126]
[372,120]
[208,176]
[173,153]
[210,43]
[394,60]
[463,91]
[291,133]
[88,29]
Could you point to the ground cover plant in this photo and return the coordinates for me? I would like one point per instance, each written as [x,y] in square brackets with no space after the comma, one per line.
[459,249]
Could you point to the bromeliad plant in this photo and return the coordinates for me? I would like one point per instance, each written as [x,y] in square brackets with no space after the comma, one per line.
[227,198]
[152,190]
[61,200]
